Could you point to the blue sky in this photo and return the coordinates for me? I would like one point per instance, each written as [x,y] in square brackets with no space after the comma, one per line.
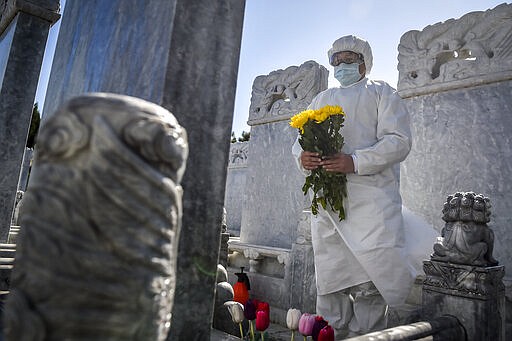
[281,33]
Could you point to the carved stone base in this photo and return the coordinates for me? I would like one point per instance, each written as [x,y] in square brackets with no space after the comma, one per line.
[475,295]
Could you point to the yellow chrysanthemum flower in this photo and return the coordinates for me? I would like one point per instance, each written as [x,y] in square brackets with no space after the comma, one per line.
[319,115]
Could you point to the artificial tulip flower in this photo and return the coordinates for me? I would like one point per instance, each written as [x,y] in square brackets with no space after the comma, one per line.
[250,313]
[262,321]
[292,320]
[317,327]
[326,334]
[306,323]
[263,306]
[250,310]
[236,309]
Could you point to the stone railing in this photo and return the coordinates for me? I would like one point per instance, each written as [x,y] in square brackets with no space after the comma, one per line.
[445,327]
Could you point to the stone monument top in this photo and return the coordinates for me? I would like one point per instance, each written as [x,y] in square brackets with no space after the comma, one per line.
[282,93]
[472,50]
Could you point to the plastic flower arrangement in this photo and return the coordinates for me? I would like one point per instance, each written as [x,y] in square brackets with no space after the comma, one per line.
[320,132]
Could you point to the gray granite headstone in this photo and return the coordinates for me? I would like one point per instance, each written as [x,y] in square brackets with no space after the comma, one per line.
[235,186]
[183,55]
[24,27]
[456,77]
[273,201]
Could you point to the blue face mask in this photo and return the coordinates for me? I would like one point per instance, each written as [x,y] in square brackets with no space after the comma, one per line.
[347,74]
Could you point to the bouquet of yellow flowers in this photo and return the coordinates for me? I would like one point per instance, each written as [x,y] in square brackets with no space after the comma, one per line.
[320,132]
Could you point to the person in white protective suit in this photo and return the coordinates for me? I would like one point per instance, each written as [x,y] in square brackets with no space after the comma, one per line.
[360,262]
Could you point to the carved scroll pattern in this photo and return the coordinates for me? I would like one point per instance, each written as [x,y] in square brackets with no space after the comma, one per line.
[283,93]
[472,50]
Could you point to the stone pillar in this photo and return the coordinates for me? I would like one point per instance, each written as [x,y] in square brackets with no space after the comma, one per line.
[183,55]
[456,78]
[273,179]
[24,27]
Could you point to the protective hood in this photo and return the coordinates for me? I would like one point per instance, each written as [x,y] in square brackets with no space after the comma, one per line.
[355,44]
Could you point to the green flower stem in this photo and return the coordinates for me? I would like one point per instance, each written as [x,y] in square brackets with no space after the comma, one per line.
[241,331]
[305,338]
[293,335]
[262,336]
[252,330]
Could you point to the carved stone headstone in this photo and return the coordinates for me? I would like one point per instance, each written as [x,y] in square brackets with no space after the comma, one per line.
[275,98]
[274,240]
[456,77]
[24,27]
[97,253]
[235,186]
[462,278]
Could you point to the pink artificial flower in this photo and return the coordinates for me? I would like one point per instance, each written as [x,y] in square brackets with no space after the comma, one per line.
[306,323]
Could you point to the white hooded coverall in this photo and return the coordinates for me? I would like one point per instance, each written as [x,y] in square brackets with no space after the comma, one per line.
[369,244]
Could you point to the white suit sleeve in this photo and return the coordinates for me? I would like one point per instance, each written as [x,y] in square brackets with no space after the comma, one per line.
[393,135]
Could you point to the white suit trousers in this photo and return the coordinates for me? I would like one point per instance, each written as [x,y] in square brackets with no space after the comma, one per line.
[353,311]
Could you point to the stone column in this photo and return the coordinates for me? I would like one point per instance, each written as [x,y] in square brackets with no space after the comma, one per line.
[24,27]
[183,55]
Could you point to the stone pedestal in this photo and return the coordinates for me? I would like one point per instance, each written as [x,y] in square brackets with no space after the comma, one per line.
[24,27]
[475,295]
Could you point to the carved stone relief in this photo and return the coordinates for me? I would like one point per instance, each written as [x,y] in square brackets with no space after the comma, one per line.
[238,154]
[474,49]
[282,93]
[100,224]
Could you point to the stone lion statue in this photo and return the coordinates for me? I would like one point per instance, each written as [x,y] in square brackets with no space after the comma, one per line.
[466,238]
[96,258]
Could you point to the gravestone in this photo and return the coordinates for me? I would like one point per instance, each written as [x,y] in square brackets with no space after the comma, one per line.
[24,27]
[456,78]
[273,204]
[235,186]
[275,238]
[182,55]
[96,259]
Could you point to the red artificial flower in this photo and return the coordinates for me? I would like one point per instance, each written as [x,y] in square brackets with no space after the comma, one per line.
[263,306]
[326,334]
[320,323]
[262,320]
